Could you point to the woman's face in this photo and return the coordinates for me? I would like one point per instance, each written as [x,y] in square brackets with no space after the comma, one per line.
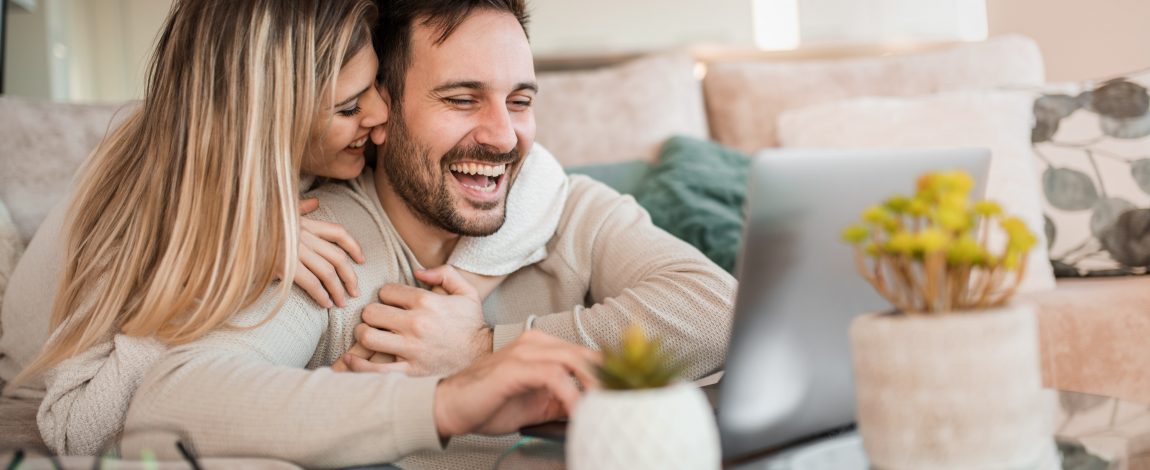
[357,110]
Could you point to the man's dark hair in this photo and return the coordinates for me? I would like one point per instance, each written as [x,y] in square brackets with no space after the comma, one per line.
[397,18]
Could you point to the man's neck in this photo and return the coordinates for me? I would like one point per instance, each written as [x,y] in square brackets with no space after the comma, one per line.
[431,245]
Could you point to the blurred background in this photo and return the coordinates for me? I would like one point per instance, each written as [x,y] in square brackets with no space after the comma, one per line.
[96,50]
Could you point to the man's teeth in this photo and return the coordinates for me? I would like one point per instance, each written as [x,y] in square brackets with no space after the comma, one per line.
[493,171]
[359,143]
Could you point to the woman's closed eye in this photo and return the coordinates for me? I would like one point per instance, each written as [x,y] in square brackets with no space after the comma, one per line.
[349,112]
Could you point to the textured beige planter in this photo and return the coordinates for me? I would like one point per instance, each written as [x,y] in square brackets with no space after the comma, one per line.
[953,391]
[663,428]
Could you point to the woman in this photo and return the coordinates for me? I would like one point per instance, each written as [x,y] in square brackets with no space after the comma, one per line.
[180,217]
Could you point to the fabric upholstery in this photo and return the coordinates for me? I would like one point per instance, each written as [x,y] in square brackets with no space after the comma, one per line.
[1093,144]
[620,112]
[744,99]
[44,144]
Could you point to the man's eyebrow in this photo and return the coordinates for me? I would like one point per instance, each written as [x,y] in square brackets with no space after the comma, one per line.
[352,97]
[479,86]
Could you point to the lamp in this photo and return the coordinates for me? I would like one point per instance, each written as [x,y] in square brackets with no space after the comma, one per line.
[787,24]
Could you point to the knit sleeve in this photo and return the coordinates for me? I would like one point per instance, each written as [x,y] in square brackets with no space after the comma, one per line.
[533,209]
[244,392]
[636,273]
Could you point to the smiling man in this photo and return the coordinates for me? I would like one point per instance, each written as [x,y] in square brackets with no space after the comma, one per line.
[460,79]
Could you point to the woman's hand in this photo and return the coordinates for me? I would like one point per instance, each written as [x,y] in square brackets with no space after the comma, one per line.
[326,252]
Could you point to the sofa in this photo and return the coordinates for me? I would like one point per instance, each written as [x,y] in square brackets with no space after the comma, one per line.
[1092,329]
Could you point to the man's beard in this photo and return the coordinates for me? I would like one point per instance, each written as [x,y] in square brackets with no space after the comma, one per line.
[423,187]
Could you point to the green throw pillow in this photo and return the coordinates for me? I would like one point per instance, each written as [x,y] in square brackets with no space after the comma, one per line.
[624,177]
[696,192]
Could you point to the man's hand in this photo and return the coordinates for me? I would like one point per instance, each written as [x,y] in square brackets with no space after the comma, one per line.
[528,382]
[428,332]
[326,251]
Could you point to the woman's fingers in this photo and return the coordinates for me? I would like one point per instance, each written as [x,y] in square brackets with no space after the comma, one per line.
[339,261]
[334,233]
[312,285]
[326,273]
[308,205]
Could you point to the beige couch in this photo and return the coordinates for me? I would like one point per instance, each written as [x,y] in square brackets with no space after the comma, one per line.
[1092,330]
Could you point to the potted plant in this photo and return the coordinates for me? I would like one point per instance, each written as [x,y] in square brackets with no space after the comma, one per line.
[951,377]
[642,417]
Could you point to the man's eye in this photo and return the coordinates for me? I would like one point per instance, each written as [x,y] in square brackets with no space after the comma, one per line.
[521,103]
[462,102]
[350,112]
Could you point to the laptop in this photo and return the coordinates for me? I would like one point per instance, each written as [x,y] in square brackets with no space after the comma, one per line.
[788,373]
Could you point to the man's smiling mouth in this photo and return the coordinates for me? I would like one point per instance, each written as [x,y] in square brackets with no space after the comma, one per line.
[480,177]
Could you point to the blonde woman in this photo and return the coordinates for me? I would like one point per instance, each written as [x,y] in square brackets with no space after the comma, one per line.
[182,217]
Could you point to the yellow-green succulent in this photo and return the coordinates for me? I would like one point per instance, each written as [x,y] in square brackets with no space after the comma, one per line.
[929,252]
[638,363]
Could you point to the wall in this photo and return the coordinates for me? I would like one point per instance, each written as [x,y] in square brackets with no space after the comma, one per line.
[572,27]
[1080,39]
[26,57]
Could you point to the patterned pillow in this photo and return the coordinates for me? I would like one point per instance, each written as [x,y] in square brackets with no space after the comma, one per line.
[1093,146]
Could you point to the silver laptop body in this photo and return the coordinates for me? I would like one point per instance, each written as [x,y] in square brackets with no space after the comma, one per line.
[788,373]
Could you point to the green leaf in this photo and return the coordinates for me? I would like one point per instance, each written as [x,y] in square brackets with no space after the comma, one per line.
[1132,128]
[1048,111]
[1121,98]
[1051,230]
[1106,213]
[1128,240]
[1140,170]
[1069,190]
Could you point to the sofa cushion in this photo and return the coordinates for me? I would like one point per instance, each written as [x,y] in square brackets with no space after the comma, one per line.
[744,99]
[1093,140]
[44,144]
[999,121]
[11,247]
[621,112]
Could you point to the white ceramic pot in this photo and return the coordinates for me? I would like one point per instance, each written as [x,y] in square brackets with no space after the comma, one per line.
[664,428]
[953,391]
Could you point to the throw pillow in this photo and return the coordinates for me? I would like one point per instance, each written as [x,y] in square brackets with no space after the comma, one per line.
[624,177]
[11,247]
[696,192]
[745,98]
[589,117]
[996,120]
[43,145]
[1093,146]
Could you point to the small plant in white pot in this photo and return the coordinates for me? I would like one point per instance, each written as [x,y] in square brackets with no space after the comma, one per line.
[643,417]
[951,378]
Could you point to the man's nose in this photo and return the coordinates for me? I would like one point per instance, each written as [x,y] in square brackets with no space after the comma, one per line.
[495,129]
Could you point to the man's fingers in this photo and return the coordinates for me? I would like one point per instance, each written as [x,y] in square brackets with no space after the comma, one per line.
[312,285]
[398,295]
[450,279]
[386,317]
[334,233]
[359,364]
[381,341]
[307,206]
[342,264]
[326,273]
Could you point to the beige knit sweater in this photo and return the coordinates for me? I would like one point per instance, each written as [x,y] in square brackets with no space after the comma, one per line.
[267,392]
[86,397]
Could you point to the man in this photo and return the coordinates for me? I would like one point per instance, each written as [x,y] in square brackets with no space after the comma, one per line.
[460,80]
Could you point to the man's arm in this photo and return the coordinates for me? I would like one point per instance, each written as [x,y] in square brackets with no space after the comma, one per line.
[636,273]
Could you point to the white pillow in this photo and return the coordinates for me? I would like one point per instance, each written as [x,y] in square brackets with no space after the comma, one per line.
[997,120]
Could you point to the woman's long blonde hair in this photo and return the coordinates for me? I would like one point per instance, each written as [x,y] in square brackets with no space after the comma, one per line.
[180,215]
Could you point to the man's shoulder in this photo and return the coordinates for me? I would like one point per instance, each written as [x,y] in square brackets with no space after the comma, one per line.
[591,201]
[341,200]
